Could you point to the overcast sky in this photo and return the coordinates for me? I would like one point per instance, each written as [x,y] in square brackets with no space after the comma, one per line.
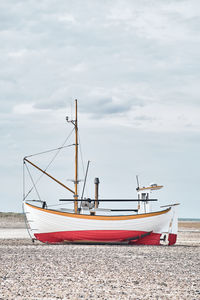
[134,68]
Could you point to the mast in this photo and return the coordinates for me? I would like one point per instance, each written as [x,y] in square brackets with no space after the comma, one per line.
[76,160]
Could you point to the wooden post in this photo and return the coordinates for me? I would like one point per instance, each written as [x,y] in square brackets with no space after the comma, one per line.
[76,161]
[96,182]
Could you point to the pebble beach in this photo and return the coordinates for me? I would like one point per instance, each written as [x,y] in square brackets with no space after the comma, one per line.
[75,271]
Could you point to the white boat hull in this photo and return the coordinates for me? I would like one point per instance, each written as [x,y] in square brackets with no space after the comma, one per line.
[51,226]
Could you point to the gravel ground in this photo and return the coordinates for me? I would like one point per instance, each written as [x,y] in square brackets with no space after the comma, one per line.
[38,271]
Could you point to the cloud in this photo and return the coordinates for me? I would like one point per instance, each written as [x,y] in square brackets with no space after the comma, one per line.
[107,106]
[132,65]
[115,58]
[52,105]
[157,20]
[143,118]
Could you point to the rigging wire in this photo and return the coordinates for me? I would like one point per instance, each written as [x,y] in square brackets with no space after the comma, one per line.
[59,148]
[54,157]
[51,150]
[24,180]
[83,167]
[81,154]
[26,223]
[58,151]
[34,186]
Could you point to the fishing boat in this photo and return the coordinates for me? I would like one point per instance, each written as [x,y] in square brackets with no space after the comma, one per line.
[88,222]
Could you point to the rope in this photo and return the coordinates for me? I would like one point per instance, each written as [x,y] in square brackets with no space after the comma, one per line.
[54,157]
[34,186]
[26,222]
[51,150]
[59,148]
[81,154]
[82,159]
[24,180]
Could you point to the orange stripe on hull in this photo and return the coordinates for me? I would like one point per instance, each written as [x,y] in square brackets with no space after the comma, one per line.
[91,217]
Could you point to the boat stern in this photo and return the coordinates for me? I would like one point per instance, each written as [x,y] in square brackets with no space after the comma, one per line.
[170,236]
[173,228]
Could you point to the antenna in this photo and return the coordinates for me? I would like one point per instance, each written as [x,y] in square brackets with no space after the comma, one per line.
[138,185]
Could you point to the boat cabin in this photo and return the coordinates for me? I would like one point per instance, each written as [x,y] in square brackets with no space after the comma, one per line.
[144,196]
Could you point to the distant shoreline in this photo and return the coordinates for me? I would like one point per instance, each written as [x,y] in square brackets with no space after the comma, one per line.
[20,215]
[188,220]
[10,214]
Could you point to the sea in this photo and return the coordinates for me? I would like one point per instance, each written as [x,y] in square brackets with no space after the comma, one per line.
[189,219]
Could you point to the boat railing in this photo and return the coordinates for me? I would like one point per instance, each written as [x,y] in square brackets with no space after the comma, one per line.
[111,200]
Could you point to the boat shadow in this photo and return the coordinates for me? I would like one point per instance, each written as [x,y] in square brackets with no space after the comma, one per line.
[118,244]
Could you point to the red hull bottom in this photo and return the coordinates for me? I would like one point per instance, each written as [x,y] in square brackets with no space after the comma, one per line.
[104,236]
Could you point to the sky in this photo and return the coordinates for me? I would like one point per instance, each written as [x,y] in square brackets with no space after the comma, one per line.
[134,68]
